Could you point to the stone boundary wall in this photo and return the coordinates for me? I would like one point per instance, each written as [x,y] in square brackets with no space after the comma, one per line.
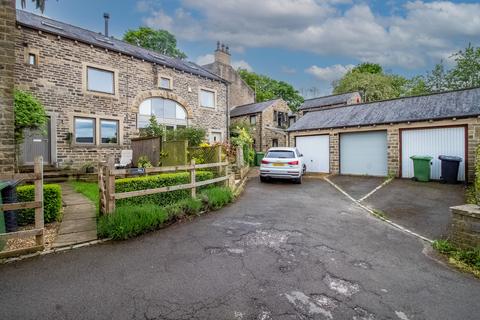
[465,228]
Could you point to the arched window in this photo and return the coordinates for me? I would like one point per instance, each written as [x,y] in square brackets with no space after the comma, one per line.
[168,112]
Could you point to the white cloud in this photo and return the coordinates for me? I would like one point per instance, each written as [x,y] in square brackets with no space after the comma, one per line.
[242,64]
[205,59]
[210,58]
[329,73]
[425,30]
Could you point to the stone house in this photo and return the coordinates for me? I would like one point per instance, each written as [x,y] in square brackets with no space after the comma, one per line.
[99,91]
[378,138]
[331,101]
[239,92]
[268,119]
[7,61]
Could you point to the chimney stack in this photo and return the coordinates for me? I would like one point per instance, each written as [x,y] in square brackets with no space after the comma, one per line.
[106,16]
[222,54]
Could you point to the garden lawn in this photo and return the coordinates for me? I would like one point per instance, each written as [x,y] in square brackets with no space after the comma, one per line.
[88,189]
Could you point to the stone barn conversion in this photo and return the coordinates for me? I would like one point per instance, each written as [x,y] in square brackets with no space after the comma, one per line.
[99,91]
[268,119]
[378,138]
[331,101]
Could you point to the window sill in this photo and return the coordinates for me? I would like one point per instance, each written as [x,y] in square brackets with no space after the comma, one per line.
[97,146]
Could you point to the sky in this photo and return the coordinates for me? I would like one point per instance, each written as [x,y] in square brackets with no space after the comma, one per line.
[308,43]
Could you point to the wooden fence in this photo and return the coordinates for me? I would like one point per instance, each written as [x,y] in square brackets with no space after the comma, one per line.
[37,204]
[107,175]
[149,147]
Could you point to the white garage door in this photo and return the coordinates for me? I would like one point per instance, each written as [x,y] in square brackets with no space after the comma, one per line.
[316,152]
[433,142]
[364,153]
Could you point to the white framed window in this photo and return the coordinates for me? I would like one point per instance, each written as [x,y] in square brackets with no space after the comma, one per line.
[32,59]
[215,137]
[165,82]
[84,130]
[253,120]
[99,80]
[108,131]
[207,98]
[167,112]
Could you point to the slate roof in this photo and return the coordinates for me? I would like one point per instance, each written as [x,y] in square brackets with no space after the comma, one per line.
[327,100]
[453,104]
[251,108]
[65,30]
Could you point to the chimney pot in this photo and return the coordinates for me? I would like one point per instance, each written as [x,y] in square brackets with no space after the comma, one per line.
[106,16]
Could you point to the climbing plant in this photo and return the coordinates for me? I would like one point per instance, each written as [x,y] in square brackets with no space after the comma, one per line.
[29,114]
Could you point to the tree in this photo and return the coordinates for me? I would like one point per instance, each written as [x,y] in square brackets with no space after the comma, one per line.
[267,88]
[437,79]
[368,67]
[370,80]
[160,41]
[466,73]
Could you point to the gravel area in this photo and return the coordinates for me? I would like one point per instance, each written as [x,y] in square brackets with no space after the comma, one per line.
[50,234]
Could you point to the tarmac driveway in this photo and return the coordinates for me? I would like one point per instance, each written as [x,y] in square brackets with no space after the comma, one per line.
[419,206]
[282,251]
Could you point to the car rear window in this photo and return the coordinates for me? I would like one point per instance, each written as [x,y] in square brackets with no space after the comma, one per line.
[281,154]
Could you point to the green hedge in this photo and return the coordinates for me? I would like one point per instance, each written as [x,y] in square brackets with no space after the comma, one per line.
[158,181]
[52,197]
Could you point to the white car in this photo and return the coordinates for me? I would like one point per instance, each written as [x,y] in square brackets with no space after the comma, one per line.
[282,163]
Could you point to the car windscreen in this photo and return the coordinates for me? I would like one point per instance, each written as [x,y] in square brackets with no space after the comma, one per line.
[280,154]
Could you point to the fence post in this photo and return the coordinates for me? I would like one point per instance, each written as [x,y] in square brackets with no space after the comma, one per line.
[110,186]
[39,221]
[193,178]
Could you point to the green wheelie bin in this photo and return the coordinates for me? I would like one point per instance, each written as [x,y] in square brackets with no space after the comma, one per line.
[421,168]
[258,158]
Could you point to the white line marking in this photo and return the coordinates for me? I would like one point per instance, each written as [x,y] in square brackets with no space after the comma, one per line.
[376,189]
[369,210]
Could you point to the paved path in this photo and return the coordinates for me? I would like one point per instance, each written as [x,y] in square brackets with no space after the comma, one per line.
[282,251]
[79,220]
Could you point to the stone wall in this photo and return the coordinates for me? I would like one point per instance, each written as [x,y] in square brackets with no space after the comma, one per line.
[465,228]
[266,128]
[7,61]
[58,81]
[393,136]
[270,129]
[240,93]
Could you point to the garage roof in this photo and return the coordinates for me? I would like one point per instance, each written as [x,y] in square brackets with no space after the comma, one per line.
[65,30]
[459,104]
[251,108]
[325,101]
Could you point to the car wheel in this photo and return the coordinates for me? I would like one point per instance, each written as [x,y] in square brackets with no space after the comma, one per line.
[304,168]
[298,180]
[263,179]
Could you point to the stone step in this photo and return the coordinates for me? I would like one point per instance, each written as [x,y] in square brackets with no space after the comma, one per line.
[79,225]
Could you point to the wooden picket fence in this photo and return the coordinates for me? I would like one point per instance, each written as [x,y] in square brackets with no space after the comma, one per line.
[107,175]
[37,204]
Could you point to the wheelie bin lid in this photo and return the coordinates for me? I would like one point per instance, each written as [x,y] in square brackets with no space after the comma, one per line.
[427,158]
[450,158]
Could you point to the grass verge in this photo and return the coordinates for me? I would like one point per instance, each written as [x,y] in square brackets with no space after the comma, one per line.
[130,221]
[88,189]
[467,260]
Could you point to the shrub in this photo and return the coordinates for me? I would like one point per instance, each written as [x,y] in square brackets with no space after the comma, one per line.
[477,176]
[469,257]
[217,197]
[191,206]
[130,221]
[52,196]
[158,181]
